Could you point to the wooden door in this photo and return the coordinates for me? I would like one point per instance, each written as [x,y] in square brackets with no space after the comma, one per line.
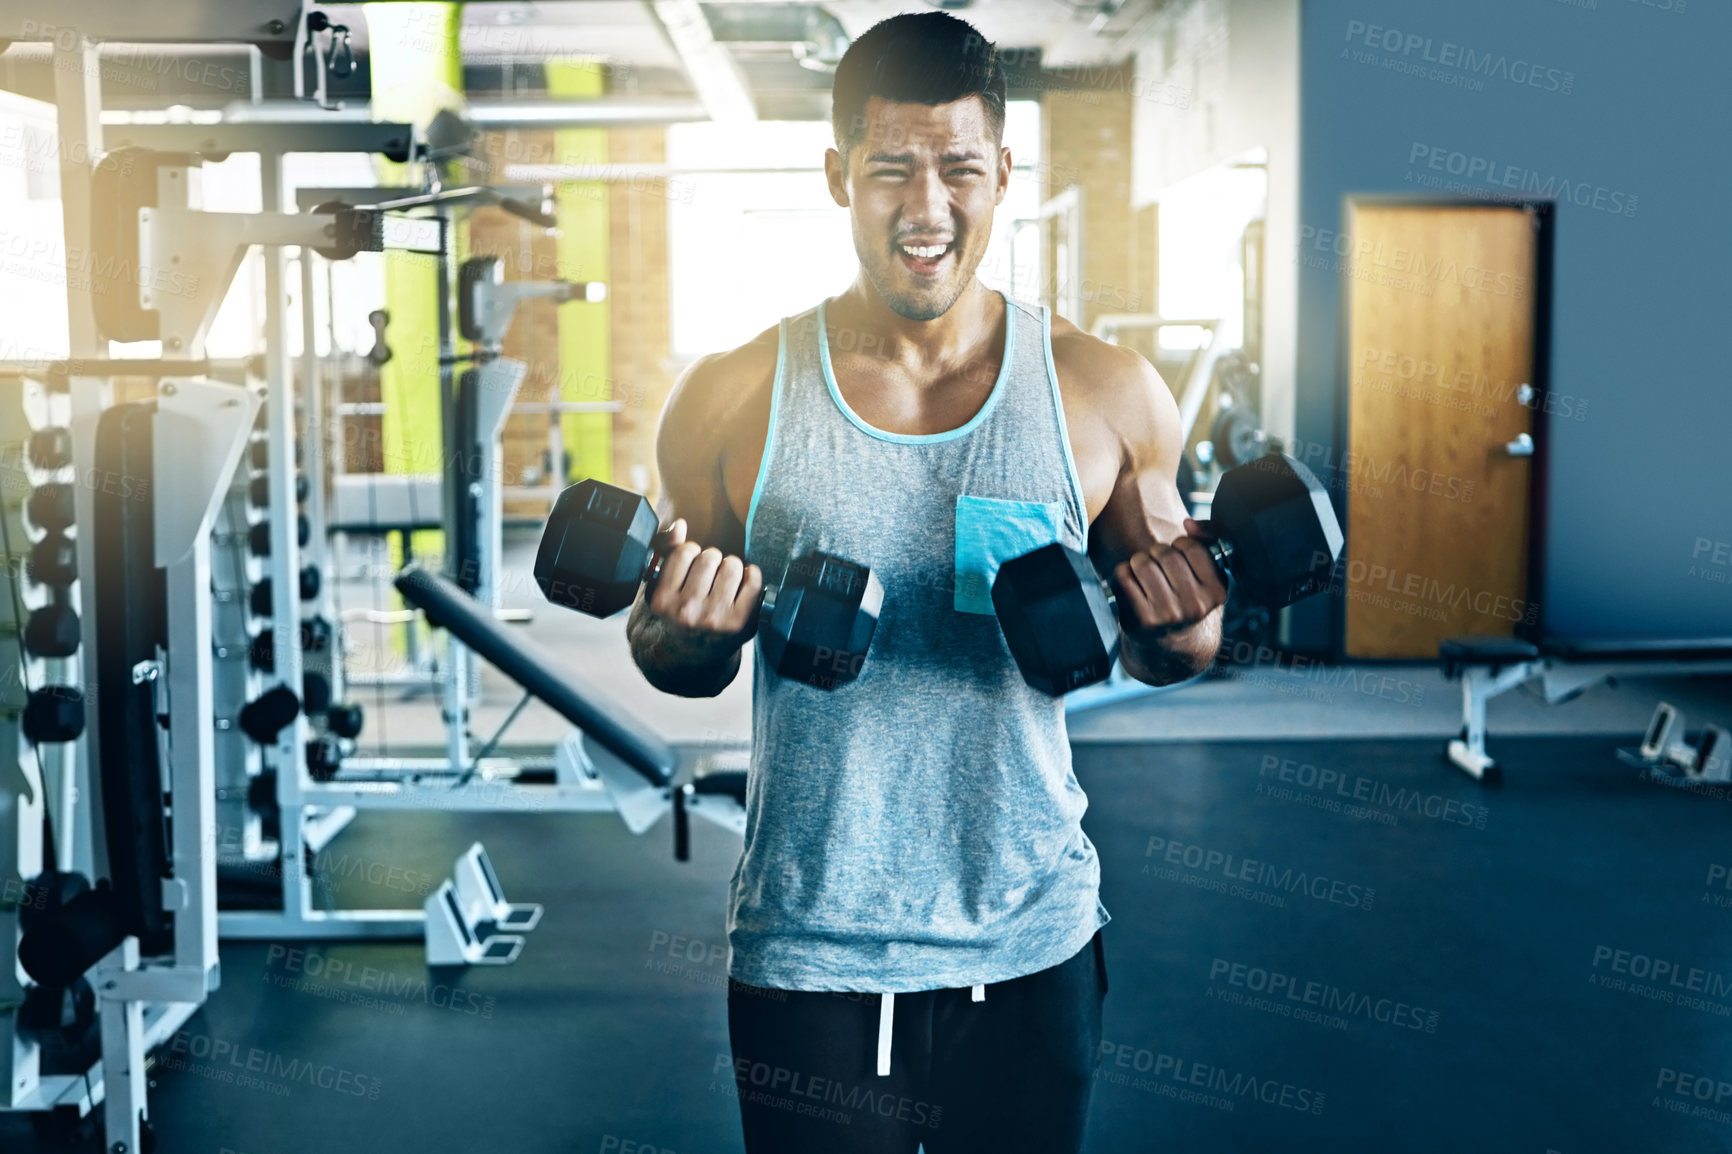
[1440,361]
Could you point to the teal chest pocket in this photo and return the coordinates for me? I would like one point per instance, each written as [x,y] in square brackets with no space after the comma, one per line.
[990,532]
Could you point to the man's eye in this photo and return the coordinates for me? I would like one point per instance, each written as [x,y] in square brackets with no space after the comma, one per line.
[965,172]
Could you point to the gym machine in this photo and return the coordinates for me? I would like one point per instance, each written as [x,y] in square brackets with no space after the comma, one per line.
[142,943]
[478,391]
[136,955]
[1667,754]
[1565,668]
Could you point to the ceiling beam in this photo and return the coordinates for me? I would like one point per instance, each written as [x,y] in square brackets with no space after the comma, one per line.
[714,73]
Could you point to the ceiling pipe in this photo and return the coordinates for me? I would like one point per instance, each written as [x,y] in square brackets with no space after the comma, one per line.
[711,68]
[485,114]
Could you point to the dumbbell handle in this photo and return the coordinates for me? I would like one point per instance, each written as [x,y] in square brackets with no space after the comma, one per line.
[652,571]
[1220,550]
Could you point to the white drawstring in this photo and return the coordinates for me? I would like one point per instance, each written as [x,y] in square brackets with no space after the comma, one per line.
[887,1019]
[886,1016]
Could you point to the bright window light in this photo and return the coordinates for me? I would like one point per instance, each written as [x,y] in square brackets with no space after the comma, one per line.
[1202,222]
[33,264]
[746,249]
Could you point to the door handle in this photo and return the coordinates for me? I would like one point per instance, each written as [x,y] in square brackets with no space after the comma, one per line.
[1522,446]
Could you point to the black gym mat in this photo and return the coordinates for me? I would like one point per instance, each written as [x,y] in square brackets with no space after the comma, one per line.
[1315,947]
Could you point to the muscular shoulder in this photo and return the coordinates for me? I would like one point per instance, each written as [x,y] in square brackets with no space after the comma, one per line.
[716,390]
[1115,403]
[711,438]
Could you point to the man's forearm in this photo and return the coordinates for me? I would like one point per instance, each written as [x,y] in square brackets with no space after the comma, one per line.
[1162,658]
[676,664]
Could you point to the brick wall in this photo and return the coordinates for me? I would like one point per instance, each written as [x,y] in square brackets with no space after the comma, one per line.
[1088,142]
[638,377]
[638,252]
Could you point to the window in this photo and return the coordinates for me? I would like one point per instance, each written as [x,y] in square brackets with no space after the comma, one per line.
[747,248]
[1202,223]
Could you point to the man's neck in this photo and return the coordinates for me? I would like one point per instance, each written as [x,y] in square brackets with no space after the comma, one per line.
[941,341]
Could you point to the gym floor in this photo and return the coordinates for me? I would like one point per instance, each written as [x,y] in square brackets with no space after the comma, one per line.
[1467,951]
[1402,959]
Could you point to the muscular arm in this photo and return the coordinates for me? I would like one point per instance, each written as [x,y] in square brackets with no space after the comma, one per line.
[684,646]
[1127,442]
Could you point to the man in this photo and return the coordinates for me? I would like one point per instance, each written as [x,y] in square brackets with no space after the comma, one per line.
[914,922]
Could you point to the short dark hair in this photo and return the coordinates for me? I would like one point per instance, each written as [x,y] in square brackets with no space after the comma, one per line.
[915,58]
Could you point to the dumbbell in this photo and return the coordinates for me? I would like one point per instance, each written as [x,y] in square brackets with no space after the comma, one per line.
[315,637]
[259,489]
[1275,533]
[315,691]
[324,758]
[259,535]
[47,893]
[50,448]
[259,451]
[265,717]
[259,598]
[815,626]
[63,1022]
[54,713]
[52,507]
[52,630]
[53,561]
[345,718]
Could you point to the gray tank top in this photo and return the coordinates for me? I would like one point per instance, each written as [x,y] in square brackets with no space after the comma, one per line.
[920,827]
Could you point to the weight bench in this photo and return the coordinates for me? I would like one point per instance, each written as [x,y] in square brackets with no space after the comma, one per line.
[587,708]
[1565,666]
[717,791]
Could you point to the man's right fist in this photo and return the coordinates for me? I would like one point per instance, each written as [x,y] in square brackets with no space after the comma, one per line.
[701,590]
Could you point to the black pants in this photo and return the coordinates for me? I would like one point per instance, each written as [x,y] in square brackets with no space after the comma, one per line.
[1009,1074]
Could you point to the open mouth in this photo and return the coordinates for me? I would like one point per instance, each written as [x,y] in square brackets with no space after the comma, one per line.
[924,259]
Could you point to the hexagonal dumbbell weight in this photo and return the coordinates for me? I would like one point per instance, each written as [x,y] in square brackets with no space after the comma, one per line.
[816,627]
[53,713]
[1275,534]
[50,448]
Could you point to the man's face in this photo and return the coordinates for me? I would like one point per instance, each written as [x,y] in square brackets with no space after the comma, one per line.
[921,187]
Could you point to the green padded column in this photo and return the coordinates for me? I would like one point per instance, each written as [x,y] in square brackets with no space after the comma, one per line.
[585,350]
[416,72]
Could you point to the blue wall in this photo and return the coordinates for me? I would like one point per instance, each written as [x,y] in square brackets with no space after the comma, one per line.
[1640,480]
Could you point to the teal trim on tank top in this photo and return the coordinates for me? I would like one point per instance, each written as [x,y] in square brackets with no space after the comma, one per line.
[1063,430]
[920,438]
[770,433]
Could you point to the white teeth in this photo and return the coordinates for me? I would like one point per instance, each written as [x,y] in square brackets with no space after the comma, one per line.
[925,251]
